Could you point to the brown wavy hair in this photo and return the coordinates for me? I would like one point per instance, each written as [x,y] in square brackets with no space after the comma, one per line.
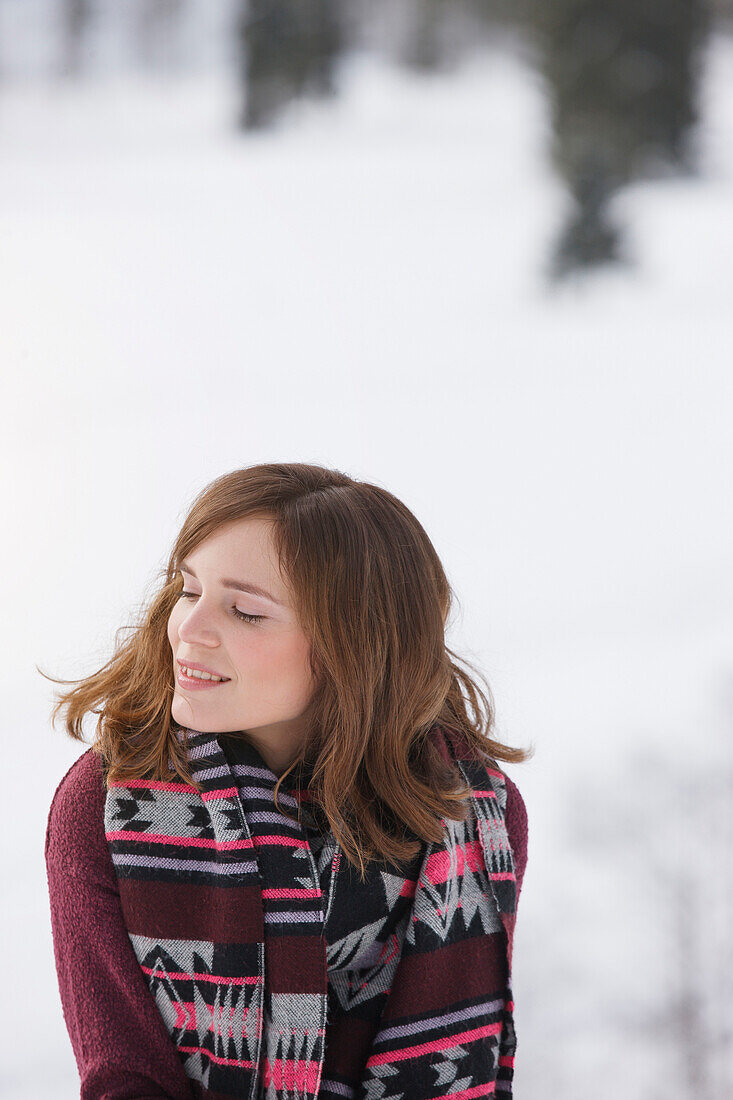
[372,595]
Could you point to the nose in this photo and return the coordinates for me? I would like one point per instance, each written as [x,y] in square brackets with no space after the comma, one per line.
[196,626]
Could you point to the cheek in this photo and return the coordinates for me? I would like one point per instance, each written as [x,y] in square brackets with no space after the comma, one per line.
[295,658]
[272,658]
[253,655]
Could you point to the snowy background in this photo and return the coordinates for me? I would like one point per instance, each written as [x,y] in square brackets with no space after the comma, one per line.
[393,278]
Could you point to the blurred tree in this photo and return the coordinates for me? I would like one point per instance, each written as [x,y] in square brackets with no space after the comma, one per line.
[287,48]
[157,26]
[435,35]
[75,17]
[423,47]
[621,77]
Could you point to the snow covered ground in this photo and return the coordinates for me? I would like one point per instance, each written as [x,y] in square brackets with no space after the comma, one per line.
[361,287]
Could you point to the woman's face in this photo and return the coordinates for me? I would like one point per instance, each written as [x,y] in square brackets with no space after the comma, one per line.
[268,679]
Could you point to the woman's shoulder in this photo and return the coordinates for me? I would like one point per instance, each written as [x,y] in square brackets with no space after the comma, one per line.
[516,808]
[75,826]
[517,825]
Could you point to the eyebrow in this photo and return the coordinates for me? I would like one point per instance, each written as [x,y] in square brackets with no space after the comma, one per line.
[241,586]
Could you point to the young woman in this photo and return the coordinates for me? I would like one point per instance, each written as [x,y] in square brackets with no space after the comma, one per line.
[289,864]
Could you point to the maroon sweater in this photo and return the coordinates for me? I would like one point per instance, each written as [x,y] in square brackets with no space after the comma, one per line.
[119,1039]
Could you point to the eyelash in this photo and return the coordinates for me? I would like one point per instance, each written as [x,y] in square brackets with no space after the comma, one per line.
[240,614]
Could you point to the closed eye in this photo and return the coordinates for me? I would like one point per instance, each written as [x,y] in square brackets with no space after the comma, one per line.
[239,614]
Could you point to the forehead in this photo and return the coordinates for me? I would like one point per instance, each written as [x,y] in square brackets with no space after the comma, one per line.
[240,555]
[249,537]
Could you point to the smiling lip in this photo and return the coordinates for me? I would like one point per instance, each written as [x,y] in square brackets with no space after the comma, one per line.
[191,683]
[200,668]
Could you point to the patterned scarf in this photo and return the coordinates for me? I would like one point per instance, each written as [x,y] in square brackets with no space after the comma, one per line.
[280,975]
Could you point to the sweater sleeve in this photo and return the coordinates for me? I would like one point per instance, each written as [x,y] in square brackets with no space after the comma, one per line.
[120,1042]
[516,824]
